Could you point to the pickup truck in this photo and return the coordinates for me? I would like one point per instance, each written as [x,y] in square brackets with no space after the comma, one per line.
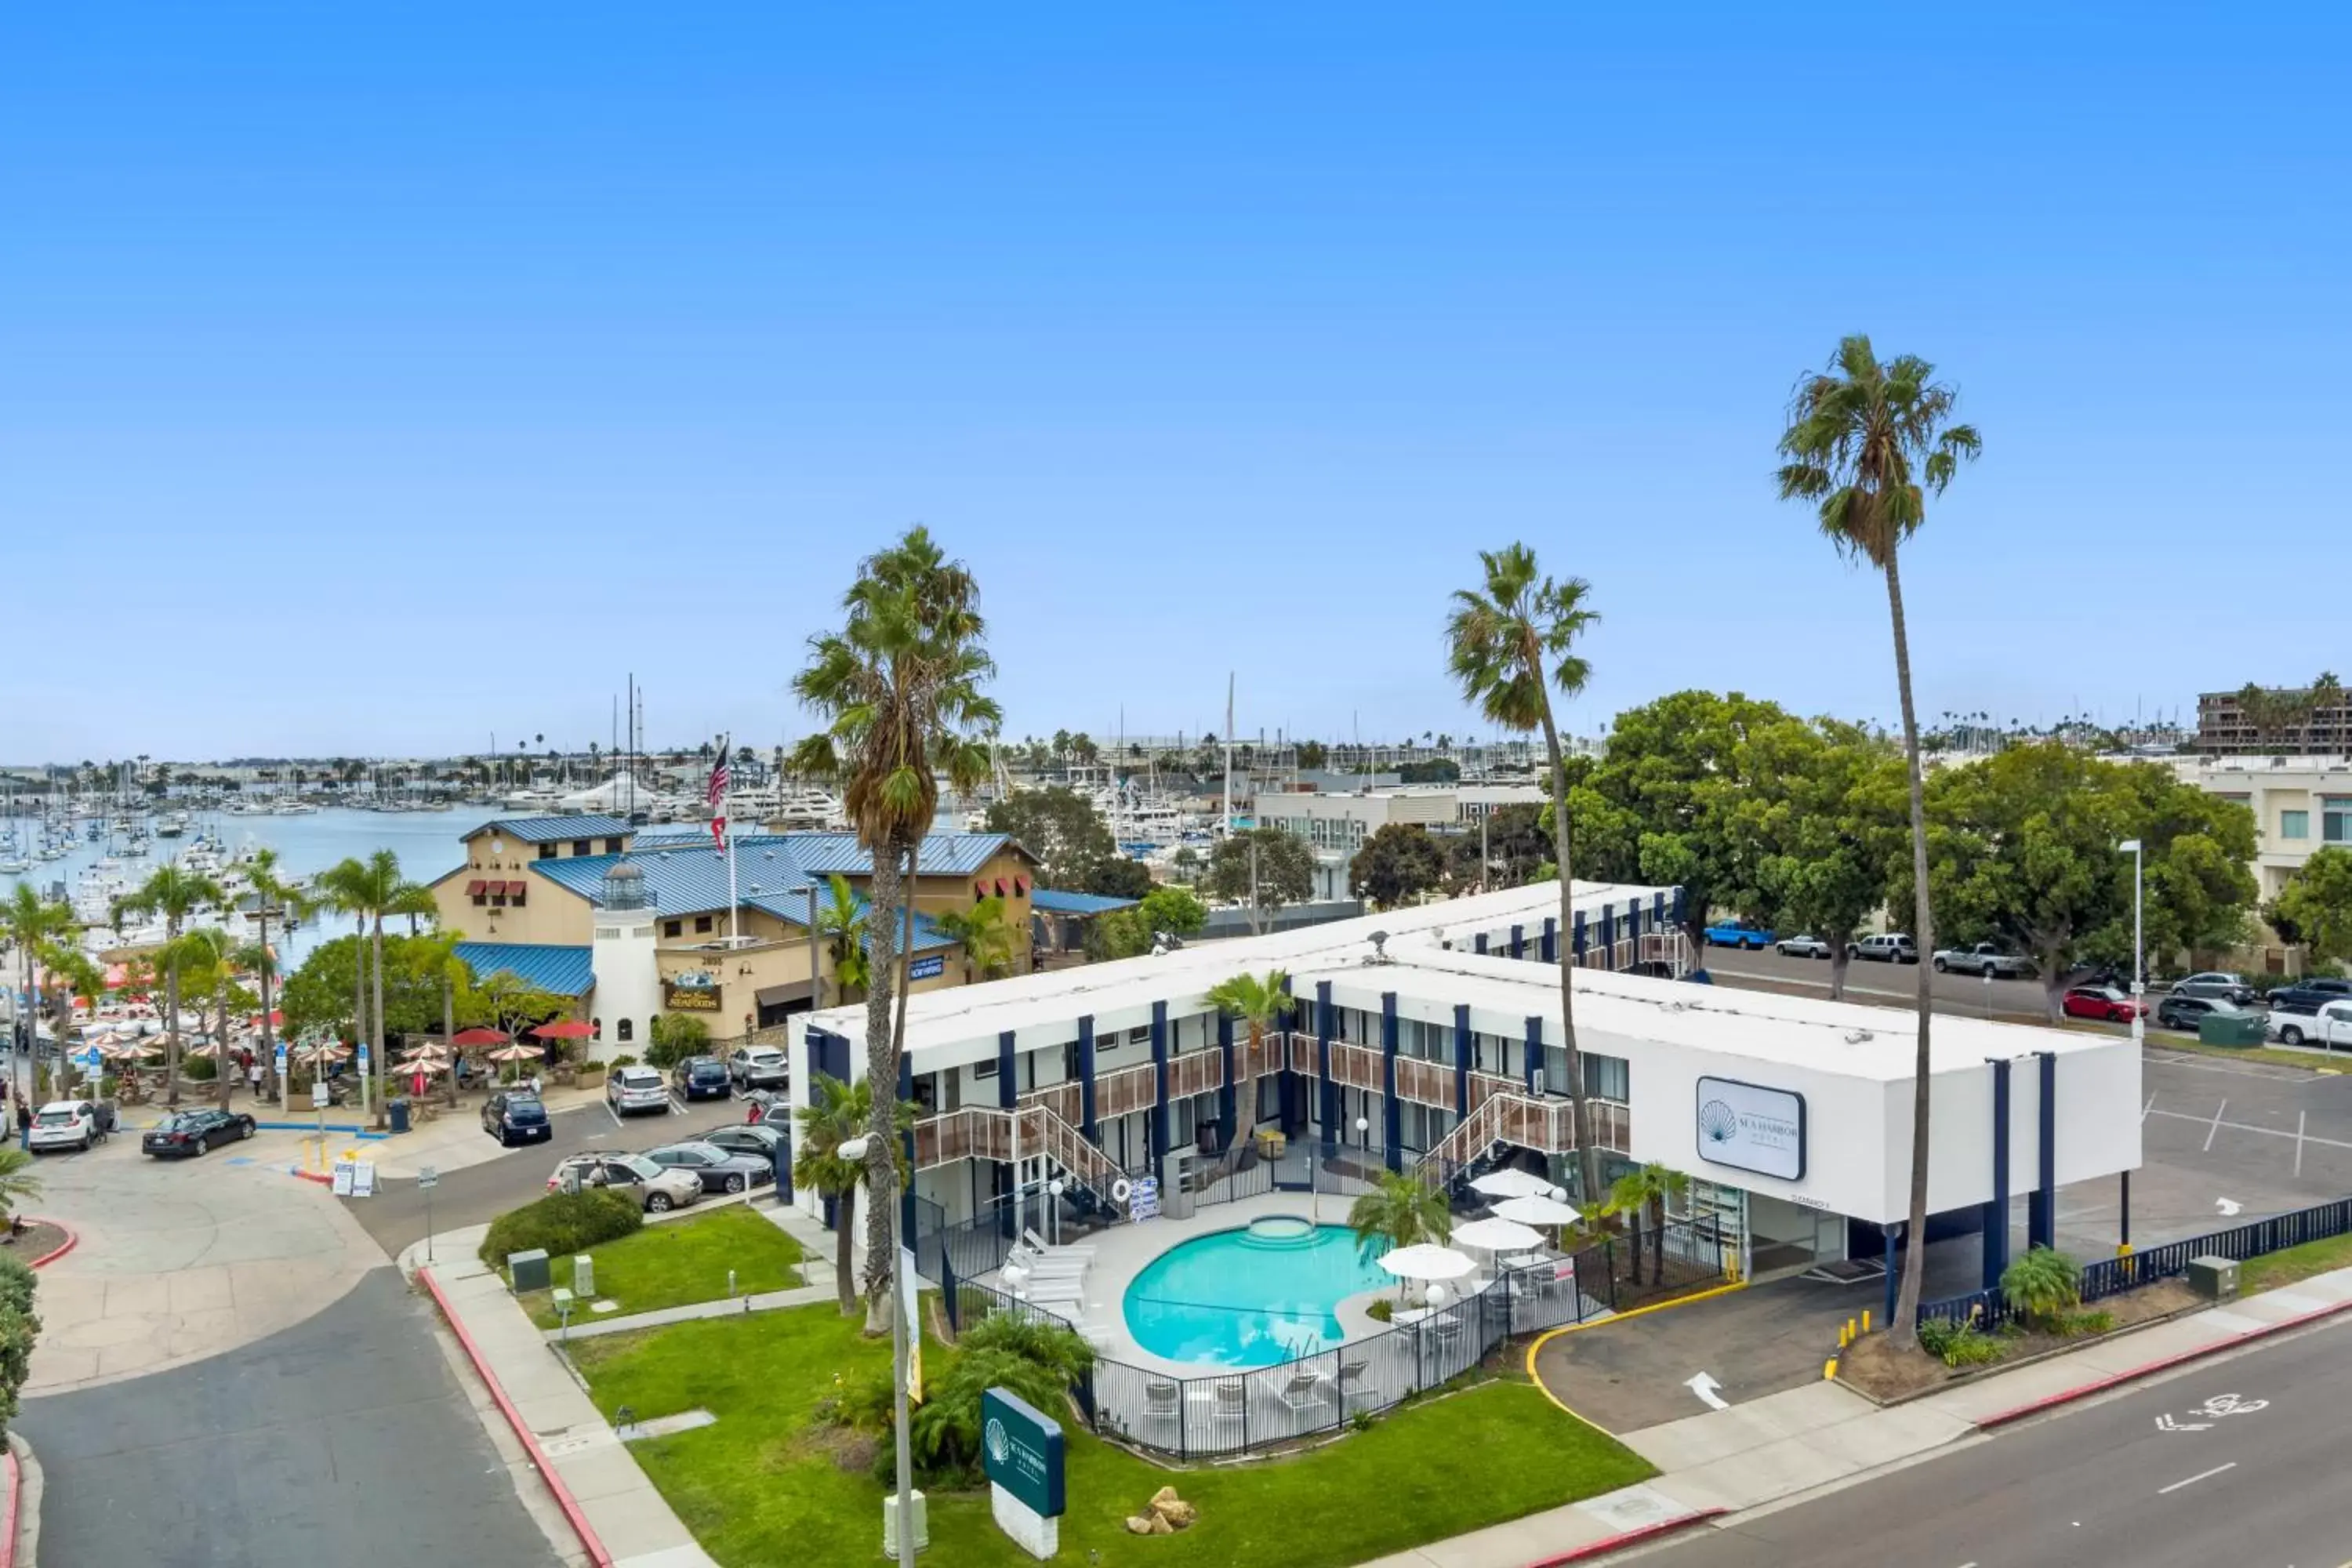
[1984,959]
[1738,933]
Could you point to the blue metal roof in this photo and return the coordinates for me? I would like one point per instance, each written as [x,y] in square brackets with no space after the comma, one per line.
[942,854]
[1054,902]
[564,971]
[686,876]
[548,829]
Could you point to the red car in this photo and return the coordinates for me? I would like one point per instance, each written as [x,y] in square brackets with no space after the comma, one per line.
[2101,1002]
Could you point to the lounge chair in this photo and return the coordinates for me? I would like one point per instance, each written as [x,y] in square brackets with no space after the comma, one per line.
[1039,1243]
[1302,1392]
[1352,1381]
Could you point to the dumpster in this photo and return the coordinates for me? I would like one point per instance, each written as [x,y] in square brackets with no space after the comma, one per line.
[399,1116]
[2231,1030]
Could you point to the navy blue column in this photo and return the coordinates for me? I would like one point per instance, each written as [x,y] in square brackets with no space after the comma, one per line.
[1549,947]
[1225,1094]
[907,1143]
[1658,911]
[1390,1131]
[2042,1209]
[1086,1079]
[1478,943]
[1996,1212]
[1008,1083]
[1678,906]
[1576,939]
[820,1058]
[1159,1081]
[1288,1102]
[1461,1059]
[1534,1064]
[1633,927]
[1331,1091]
[1518,942]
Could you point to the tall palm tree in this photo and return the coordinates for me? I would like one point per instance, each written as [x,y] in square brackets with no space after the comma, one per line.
[985,934]
[416,901]
[204,957]
[366,888]
[255,958]
[176,894]
[837,920]
[842,1111]
[29,921]
[899,688]
[1259,1005]
[272,895]
[67,973]
[1508,642]
[1868,441]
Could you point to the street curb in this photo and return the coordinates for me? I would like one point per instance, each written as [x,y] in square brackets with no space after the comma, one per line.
[2001,1418]
[311,1176]
[72,1240]
[594,1545]
[1630,1538]
[20,1522]
[11,1478]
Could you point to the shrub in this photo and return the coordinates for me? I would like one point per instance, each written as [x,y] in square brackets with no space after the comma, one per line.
[592,1066]
[1381,1310]
[17,1283]
[1034,1361]
[2042,1286]
[562,1223]
[623,1060]
[2097,1322]
[676,1037]
[199,1069]
[1958,1344]
[19,1328]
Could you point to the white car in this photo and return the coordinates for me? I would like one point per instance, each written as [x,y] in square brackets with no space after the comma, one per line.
[1802,947]
[67,1124]
[2331,1027]
[758,1067]
[635,1088]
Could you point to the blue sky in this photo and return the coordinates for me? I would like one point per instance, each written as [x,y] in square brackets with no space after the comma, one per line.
[375,378]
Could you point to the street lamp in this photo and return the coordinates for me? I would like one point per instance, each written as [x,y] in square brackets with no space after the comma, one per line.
[854,1151]
[1054,1190]
[2140,976]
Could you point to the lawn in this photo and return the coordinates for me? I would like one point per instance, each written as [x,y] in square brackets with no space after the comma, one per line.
[2278,1268]
[679,1261]
[2309,1060]
[763,1477]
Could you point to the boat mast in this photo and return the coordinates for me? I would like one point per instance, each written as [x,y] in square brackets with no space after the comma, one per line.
[1228,825]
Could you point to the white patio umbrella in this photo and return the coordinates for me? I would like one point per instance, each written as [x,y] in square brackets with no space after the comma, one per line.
[1532,1210]
[1497,1236]
[1426,1260]
[1510,1182]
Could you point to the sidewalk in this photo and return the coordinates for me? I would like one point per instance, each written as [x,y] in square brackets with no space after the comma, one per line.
[1772,1449]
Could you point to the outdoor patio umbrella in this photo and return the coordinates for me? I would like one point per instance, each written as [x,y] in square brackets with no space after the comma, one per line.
[1510,1182]
[478,1037]
[568,1029]
[1497,1236]
[1537,1211]
[1426,1261]
[516,1054]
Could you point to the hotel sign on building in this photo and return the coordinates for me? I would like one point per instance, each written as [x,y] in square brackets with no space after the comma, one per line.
[1751,1128]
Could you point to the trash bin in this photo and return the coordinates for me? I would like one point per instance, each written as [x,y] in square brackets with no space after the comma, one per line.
[2230,1029]
[400,1116]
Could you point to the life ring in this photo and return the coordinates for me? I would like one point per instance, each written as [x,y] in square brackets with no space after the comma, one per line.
[1119,1190]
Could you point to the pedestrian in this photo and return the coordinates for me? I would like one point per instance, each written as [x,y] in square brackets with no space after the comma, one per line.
[253,1074]
[534,1086]
[752,1120]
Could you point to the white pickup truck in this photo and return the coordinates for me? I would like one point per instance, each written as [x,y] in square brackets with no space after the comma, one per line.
[1984,959]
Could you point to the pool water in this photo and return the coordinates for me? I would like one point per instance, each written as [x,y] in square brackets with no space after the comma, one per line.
[1251,1297]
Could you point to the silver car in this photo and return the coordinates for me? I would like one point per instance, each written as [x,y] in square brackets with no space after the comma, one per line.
[1801,947]
[634,1088]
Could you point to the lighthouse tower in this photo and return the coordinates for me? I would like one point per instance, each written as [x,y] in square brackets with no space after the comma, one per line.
[628,981]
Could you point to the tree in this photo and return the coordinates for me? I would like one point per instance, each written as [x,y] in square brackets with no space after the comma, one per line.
[1825,818]
[1126,933]
[1643,1192]
[1118,878]
[416,901]
[1311,755]
[28,922]
[1172,910]
[899,687]
[1061,827]
[176,894]
[1508,642]
[1399,861]
[842,1111]
[2315,906]
[1402,1210]
[501,1000]
[2022,851]
[1867,442]
[202,958]
[1260,1005]
[837,920]
[676,1037]
[1262,870]
[16,1185]
[987,936]
[367,890]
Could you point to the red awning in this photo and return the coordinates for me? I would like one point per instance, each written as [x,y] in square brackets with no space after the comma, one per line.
[1001,888]
[1021,885]
[980,889]
[474,888]
[515,890]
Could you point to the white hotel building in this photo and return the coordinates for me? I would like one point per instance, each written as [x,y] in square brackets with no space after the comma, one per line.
[1432,1038]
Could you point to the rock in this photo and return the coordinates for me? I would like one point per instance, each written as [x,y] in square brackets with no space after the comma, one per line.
[1142,1523]
[1180,1515]
[1164,1495]
[1160,1525]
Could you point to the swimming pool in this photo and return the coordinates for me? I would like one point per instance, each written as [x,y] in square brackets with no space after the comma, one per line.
[1250,1297]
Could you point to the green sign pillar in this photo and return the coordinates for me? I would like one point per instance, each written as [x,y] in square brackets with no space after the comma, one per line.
[1022,1450]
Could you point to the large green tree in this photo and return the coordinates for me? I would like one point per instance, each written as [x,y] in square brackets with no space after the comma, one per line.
[1260,1003]
[1509,642]
[1827,822]
[1399,861]
[176,894]
[1061,828]
[2316,905]
[1867,442]
[1262,870]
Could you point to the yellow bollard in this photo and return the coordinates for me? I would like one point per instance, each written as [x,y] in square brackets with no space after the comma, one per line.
[1845,1336]
[1829,1370]
[1851,1333]
[1865,1319]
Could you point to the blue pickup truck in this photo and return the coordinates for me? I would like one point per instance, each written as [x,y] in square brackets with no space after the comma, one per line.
[1738,933]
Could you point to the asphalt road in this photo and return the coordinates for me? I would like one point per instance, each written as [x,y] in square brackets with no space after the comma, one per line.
[342,1439]
[1878,983]
[477,1195]
[2103,1487]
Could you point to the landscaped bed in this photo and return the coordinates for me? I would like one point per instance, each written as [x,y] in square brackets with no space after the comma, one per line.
[772,1481]
[677,1262]
[1873,1364]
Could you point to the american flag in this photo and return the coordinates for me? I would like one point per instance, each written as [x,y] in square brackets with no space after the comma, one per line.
[717,796]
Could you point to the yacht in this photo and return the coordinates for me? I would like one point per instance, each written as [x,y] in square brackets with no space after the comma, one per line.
[171,825]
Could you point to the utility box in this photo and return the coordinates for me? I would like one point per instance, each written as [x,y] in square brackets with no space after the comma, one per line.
[1176,1184]
[527,1270]
[2215,1279]
[2231,1030]
[920,1513]
[584,1276]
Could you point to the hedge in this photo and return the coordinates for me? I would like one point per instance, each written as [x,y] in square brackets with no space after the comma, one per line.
[562,1223]
[19,1328]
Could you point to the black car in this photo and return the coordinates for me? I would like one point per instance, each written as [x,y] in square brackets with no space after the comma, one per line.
[516,1116]
[194,1133]
[2178,1012]
[700,1077]
[2309,995]
[755,1141]
[716,1169]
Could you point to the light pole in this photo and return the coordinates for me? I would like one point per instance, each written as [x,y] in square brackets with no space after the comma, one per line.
[2140,972]
[854,1151]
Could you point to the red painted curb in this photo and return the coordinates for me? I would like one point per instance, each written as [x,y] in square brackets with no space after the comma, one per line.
[589,1539]
[311,1176]
[1630,1538]
[72,1240]
[8,1508]
[2005,1417]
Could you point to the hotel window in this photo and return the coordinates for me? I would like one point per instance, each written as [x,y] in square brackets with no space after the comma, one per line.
[581,846]
[1606,1078]
[985,1070]
[2294,824]
[612,847]
[1140,1035]
[547,851]
[2336,818]
[701,924]
[673,928]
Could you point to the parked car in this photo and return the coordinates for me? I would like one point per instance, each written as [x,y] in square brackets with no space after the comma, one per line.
[634,1088]
[758,1067]
[716,1169]
[2102,1002]
[702,1078]
[658,1187]
[582,1162]
[1738,933]
[2178,1012]
[70,1124]
[2214,983]
[769,1109]
[194,1131]
[516,1116]
[2329,1025]
[2309,995]
[758,1140]
[1890,947]
[1802,947]
[1985,958]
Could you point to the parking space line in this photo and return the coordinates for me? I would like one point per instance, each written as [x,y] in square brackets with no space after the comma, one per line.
[613,1114]
[2148,1107]
[2248,1127]
[2298,1141]
[2217,1125]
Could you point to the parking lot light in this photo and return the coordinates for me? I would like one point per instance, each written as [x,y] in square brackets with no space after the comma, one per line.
[2139,974]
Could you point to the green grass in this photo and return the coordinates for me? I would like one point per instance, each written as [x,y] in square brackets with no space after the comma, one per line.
[680,1261]
[2278,1268]
[763,1481]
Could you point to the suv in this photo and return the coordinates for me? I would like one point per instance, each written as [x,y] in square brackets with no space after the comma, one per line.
[2179,1011]
[702,1078]
[70,1124]
[516,1116]
[634,1088]
[1984,959]
[758,1067]
[2214,983]
[2309,995]
[1893,947]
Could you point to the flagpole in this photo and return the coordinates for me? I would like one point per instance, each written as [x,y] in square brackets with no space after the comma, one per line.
[728,829]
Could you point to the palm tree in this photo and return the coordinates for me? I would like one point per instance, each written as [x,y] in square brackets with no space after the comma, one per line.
[984,934]
[1402,1210]
[1509,642]
[174,894]
[899,688]
[416,901]
[1644,1191]
[366,888]
[256,959]
[31,923]
[1868,441]
[838,922]
[842,1111]
[1260,1005]
[15,1186]
[272,895]
[66,973]
[203,958]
